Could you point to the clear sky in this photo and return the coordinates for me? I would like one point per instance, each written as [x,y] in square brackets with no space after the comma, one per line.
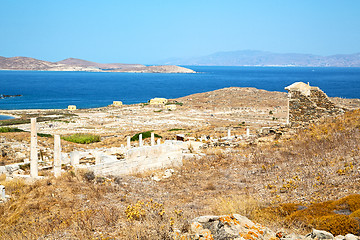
[145,31]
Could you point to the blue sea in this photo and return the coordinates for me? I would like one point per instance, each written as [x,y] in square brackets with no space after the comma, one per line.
[47,90]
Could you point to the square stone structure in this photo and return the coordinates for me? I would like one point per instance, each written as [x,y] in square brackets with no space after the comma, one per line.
[71,107]
[117,103]
[308,103]
[156,101]
[171,107]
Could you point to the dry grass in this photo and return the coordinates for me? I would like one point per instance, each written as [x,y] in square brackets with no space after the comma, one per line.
[317,165]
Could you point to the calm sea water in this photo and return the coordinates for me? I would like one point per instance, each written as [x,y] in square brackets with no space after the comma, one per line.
[44,90]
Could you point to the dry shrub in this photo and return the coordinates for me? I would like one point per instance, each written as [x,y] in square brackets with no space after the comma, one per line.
[150,220]
[317,215]
[244,205]
[337,224]
[52,205]
[351,202]
[355,214]
[2,177]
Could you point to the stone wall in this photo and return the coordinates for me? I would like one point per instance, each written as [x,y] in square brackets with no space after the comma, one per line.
[305,108]
[140,159]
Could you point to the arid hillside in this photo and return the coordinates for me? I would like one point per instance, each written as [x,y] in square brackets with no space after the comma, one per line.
[263,182]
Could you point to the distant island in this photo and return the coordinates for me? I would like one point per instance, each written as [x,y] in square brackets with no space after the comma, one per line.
[73,64]
[269,59]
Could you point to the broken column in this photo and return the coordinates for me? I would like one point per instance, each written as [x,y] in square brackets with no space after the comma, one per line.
[75,158]
[229,134]
[33,150]
[128,143]
[158,141]
[140,140]
[98,156]
[2,192]
[57,156]
[152,139]
[247,132]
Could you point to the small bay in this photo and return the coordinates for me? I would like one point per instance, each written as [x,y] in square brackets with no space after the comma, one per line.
[48,90]
[4,117]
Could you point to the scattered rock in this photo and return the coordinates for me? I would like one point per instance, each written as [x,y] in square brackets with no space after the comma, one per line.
[319,234]
[232,226]
[351,237]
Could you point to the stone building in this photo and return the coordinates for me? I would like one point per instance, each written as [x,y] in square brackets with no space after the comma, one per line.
[117,103]
[158,101]
[71,107]
[308,103]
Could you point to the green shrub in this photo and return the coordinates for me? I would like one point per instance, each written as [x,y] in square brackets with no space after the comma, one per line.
[144,135]
[25,166]
[44,135]
[82,138]
[176,129]
[9,129]
[175,103]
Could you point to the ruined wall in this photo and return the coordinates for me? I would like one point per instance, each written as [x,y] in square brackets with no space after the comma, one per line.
[140,159]
[304,108]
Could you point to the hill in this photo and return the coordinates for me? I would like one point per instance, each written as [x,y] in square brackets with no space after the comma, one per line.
[262,58]
[85,63]
[73,64]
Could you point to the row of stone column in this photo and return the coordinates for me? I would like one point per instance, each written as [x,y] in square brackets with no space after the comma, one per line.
[152,141]
[75,156]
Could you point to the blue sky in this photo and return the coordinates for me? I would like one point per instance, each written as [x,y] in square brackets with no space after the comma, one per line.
[134,31]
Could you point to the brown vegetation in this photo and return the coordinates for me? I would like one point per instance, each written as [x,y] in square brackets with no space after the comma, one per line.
[294,182]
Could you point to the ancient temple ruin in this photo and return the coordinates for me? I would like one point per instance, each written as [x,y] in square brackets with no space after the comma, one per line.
[308,103]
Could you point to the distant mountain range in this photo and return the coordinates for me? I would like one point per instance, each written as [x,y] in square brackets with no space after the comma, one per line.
[262,58]
[73,64]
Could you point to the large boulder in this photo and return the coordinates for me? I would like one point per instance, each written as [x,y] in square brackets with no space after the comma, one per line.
[232,226]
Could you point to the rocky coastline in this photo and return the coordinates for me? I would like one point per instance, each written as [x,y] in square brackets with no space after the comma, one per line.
[2,96]
[72,64]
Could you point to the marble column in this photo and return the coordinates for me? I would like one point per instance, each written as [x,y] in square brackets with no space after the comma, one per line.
[33,150]
[57,156]
[128,143]
[140,140]
[152,139]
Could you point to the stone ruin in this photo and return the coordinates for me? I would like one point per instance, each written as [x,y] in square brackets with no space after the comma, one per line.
[307,103]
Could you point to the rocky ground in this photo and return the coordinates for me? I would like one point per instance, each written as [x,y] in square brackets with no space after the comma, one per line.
[204,114]
[289,183]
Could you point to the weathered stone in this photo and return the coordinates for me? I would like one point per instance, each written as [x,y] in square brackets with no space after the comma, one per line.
[227,227]
[74,158]
[307,103]
[12,167]
[350,236]
[339,237]
[320,234]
